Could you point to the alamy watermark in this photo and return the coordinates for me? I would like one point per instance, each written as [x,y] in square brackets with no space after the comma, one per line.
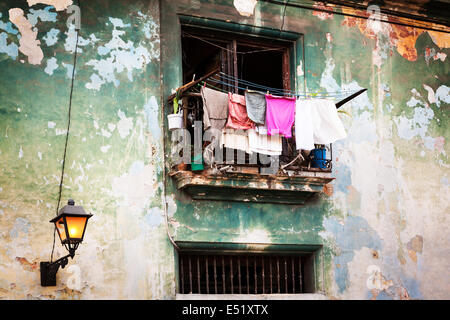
[213,153]
[74,18]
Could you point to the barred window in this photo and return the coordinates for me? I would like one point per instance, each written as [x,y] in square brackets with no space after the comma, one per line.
[239,273]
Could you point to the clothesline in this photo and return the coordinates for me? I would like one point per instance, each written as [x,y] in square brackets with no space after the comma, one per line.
[229,77]
[256,122]
[276,91]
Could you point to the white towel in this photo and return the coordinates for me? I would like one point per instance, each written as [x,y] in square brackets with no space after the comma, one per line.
[235,139]
[264,144]
[327,126]
[304,125]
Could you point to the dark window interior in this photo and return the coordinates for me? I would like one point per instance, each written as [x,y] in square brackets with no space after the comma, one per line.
[199,58]
[227,273]
[239,56]
[264,68]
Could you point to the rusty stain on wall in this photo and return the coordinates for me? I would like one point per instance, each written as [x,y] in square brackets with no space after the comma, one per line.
[402,38]
[414,246]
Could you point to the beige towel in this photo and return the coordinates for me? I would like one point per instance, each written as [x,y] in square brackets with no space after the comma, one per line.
[215,108]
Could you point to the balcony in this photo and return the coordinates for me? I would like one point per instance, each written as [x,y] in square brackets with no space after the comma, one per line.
[297,178]
[208,184]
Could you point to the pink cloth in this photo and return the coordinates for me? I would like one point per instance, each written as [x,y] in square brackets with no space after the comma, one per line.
[237,113]
[280,115]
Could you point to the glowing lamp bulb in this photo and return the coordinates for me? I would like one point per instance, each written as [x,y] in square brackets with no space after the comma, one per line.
[73,232]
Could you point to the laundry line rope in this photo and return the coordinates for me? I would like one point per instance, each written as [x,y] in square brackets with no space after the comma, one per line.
[277,91]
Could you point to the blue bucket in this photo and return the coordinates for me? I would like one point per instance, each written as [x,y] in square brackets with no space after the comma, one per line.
[319,158]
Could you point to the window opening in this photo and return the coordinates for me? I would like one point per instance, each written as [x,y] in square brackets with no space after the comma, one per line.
[239,273]
[262,61]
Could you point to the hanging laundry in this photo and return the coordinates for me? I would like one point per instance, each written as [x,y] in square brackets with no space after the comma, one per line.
[280,115]
[235,139]
[327,126]
[256,106]
[215,108]
[303,125]
[261,129]
[237,113]
[264,144]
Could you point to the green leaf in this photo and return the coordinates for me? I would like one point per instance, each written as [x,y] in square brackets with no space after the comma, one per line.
[175,105]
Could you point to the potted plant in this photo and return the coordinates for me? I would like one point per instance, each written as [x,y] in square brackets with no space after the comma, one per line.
[175,119]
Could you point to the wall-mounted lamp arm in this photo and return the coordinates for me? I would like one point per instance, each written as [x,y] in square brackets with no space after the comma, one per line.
[49,269]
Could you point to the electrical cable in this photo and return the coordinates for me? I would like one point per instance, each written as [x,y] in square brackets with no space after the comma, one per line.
[284,16]
[67,133]
[164,173]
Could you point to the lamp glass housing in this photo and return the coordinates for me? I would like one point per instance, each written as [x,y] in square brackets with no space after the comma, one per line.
[61,228]
[76,227]
[71,224]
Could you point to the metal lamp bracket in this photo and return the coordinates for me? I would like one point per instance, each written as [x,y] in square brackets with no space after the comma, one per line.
[49,270]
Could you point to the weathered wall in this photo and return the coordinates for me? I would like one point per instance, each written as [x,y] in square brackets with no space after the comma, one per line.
[114,159]
[383,226]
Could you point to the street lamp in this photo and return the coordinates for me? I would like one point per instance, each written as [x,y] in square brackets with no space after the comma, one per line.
[71,224]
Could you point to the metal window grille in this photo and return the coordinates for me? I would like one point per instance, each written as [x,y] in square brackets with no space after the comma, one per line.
[244,274]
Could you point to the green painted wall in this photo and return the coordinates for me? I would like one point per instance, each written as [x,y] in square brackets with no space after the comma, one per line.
[383,228]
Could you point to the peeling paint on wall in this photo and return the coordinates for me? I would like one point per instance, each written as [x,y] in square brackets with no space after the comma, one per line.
[58,4]
[29,45]
[52,65]
[380,223]
[45,15]
[401,37]
[349,235]
[120,56]
[51,37]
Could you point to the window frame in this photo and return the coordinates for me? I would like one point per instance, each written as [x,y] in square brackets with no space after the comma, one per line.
[314,252]
[296,54]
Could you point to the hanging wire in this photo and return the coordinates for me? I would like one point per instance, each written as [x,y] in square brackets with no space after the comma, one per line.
[284,16]
[226,49]
[229,77]
[281,93]
[67,133]
[226,79]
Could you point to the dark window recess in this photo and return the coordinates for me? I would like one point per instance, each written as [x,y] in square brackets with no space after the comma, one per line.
[246,273]
[264,61]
